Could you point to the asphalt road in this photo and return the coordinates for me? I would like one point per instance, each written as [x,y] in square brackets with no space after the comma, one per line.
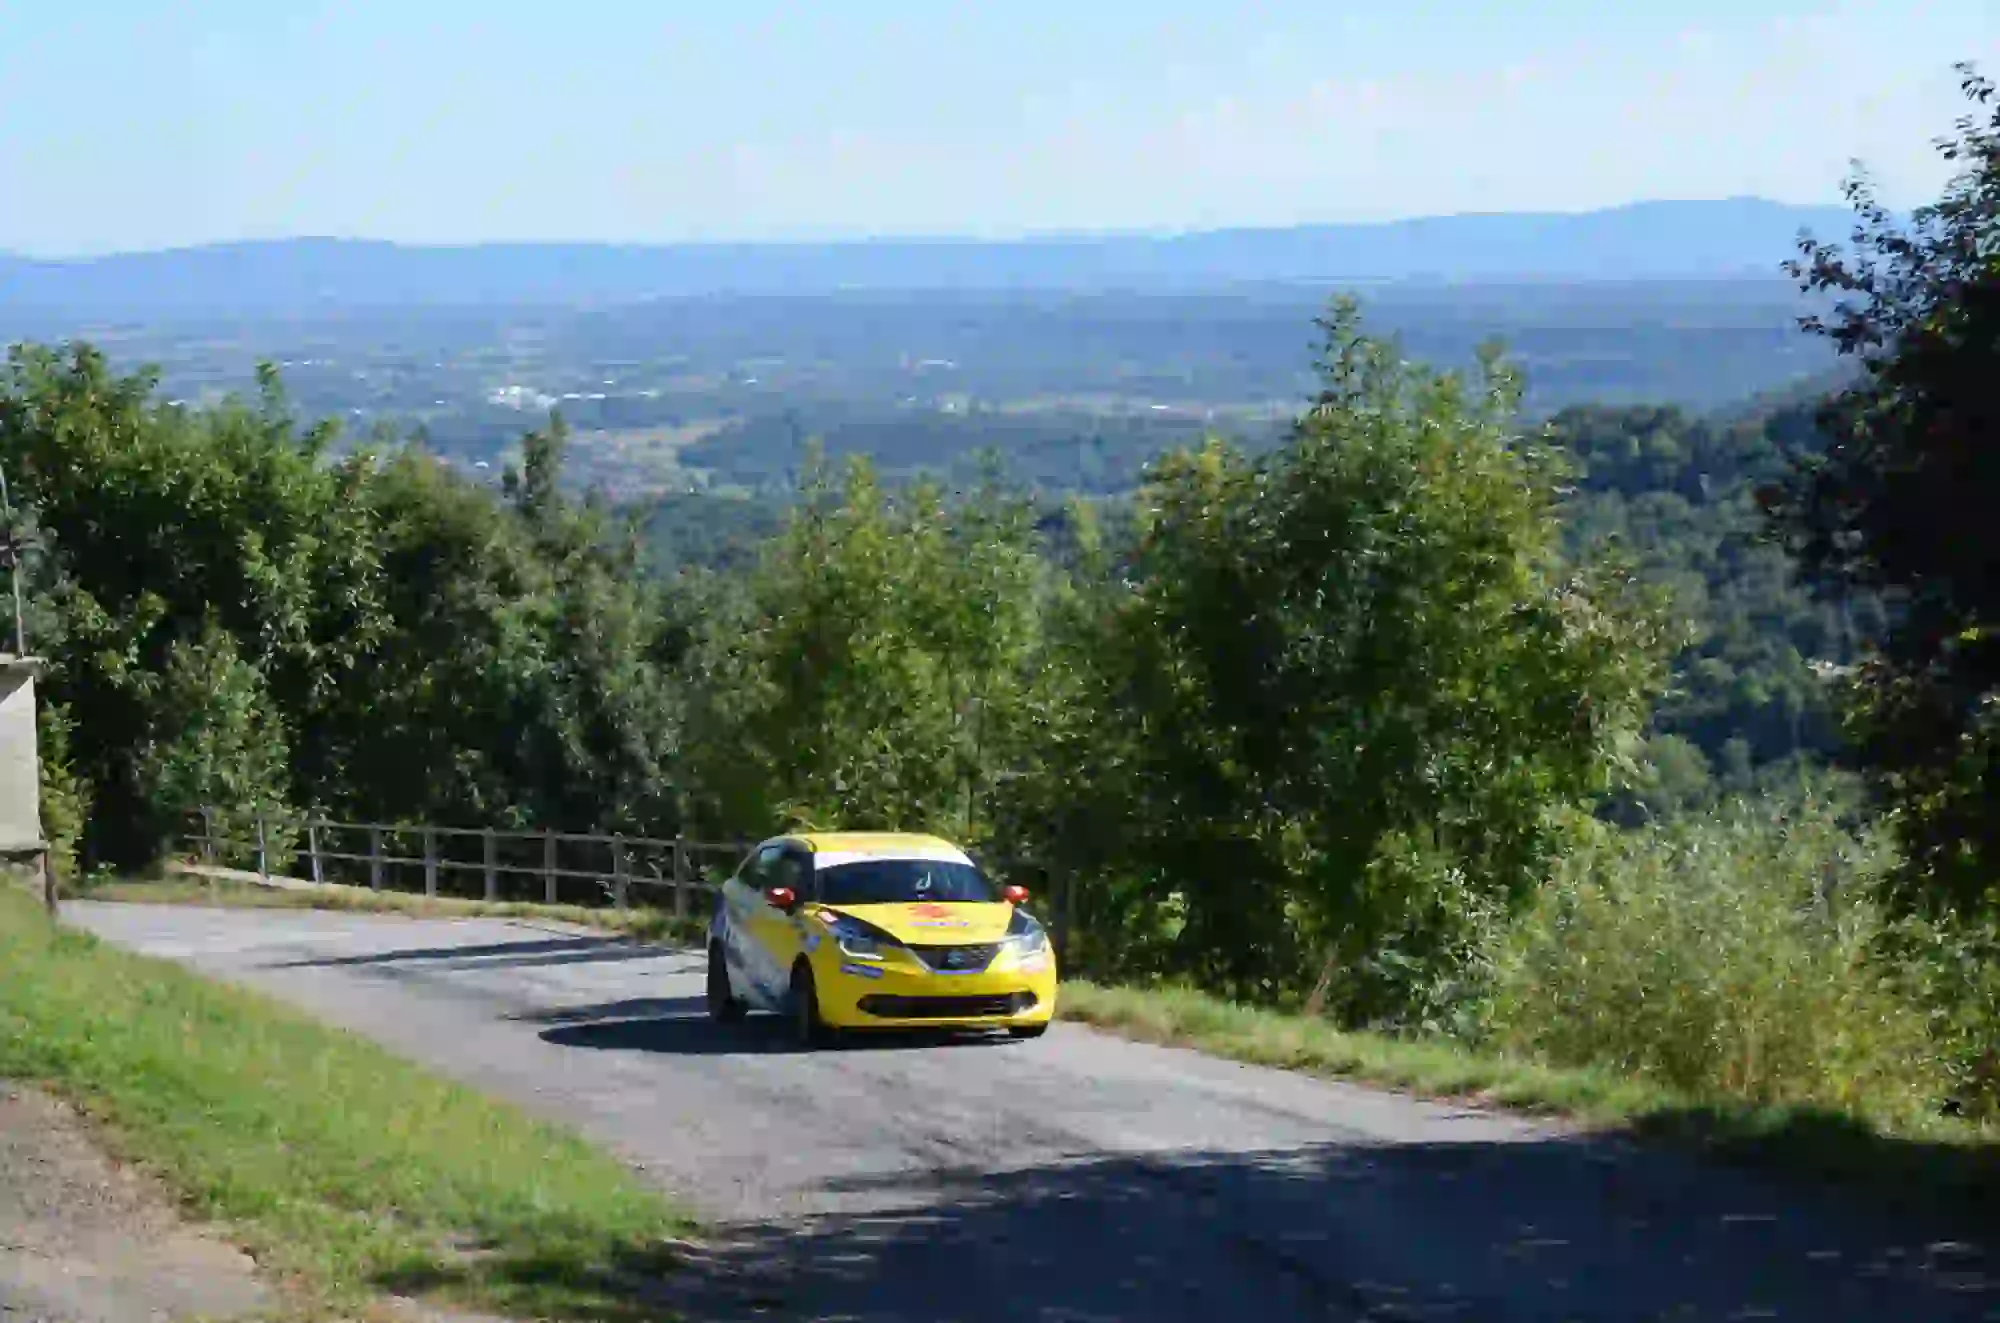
[1077,1177]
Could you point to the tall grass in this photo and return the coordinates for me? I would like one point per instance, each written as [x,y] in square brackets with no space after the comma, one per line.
[1738,955]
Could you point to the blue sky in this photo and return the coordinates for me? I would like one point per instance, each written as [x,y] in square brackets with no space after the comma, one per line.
[126,124]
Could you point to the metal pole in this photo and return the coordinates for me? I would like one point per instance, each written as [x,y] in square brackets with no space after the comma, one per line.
[312,845]
[208,835]
[430,862]
[263,849]
[375,858]
[492,876]
[549,867]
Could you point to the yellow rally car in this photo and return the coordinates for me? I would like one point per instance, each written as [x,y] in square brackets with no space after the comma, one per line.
[850,930]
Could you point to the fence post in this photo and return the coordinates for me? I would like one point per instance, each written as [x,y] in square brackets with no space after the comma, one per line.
[620,890]
[680,877]
[549,867]
[312,845]
[492,876]
[207,835]
[375,858]
[263,849]
[430,862]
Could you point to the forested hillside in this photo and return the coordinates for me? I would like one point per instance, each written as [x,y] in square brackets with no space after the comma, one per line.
[1675,494]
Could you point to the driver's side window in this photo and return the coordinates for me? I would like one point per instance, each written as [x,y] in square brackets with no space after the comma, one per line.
[763,870]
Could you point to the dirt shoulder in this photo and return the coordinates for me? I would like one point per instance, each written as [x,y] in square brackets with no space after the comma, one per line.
[83,1240]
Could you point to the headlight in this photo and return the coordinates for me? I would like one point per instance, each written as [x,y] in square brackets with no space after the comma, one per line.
[857,939]
[1026,936]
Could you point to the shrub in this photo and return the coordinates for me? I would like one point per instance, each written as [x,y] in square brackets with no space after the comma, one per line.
[1739,955]
[65,796]
[214,740]
[1952,968]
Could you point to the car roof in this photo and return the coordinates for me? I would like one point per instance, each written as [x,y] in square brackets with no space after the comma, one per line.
[884,844]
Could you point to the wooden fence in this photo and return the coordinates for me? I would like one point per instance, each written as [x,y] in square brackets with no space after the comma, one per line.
[482,863]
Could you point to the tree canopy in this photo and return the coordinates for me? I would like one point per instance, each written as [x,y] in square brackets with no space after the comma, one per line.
[1900,503]
[234,615]
[1352,685]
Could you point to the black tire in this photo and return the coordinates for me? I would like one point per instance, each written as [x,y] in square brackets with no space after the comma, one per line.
[808,1030]
[1027,1030]
[724,1006]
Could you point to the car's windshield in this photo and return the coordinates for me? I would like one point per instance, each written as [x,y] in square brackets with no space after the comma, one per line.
[887,881]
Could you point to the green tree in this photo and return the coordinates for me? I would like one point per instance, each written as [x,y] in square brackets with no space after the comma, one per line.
[214,739]
[1362,685]
[234,615]
[873,669]
[527,673]
[1674,493]
[163,524]
[1900,503]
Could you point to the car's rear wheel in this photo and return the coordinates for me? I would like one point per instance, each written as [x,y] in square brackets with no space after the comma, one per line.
[808,1029]
[724,1006]
[1027,1030]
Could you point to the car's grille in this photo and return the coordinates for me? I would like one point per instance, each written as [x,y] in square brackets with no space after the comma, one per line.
[958,959]
[946,1008]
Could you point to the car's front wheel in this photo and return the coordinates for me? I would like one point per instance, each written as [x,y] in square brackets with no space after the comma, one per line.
[808,1029]
[724,1006]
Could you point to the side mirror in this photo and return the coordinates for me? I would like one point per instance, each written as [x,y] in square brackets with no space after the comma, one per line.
[783,898]
[1014,895]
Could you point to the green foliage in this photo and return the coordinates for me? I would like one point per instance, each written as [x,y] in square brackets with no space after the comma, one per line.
[527,671]
[1901,504]
[1353,690]
[1952,969]
[877,663]
[214,739]
[231,614]
[696,531]
[1740,954]
[1672,493]
[161,520]
[65,795]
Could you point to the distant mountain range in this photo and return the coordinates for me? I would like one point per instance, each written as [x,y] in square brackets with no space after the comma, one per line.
[1733,238]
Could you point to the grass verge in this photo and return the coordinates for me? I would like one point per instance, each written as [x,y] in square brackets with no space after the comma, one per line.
[190,889]
[345,1170]
[1923,1165]
[1433,1068]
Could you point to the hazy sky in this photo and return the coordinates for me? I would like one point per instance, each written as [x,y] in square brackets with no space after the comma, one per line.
[127,124]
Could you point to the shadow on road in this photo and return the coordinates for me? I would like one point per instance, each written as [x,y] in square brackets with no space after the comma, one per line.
[1580,1229]
[501,955]
[679,1026]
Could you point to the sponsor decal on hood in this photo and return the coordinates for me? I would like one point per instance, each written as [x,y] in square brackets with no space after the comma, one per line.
[932,923]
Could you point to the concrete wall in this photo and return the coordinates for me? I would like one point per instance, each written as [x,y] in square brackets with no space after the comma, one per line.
[20,766]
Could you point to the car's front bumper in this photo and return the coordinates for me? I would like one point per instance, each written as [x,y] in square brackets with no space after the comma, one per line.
[901,994]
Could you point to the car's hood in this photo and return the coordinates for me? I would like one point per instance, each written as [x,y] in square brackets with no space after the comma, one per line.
[926,923]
